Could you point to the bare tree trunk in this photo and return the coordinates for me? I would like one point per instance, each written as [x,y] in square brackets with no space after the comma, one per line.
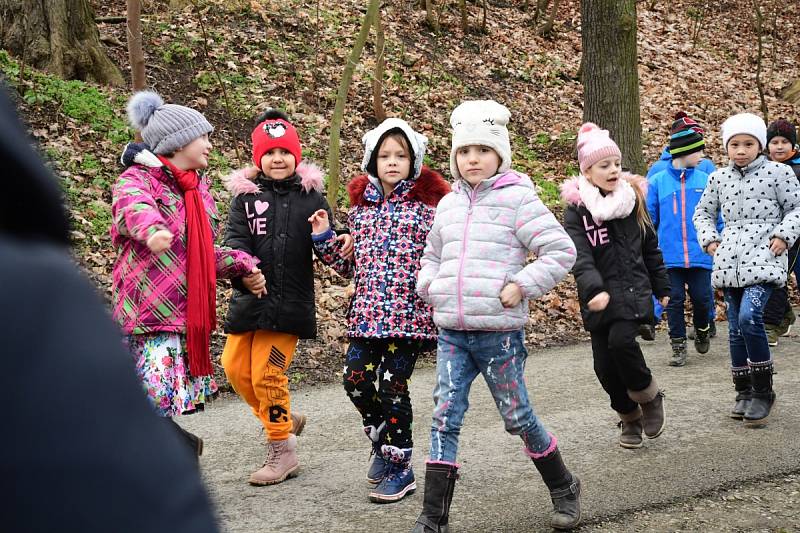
[135,51]
[430,16]
[541,7]
[341,100]
[759,27]
[547,28]
[485,13]
[610,78]
[380,62]
[59,36]
[462,8]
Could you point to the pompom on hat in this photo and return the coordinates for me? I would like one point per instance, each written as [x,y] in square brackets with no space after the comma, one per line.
[686,136]
[481,123]
[746,124]
[275,132]
[166,128]
[595,144]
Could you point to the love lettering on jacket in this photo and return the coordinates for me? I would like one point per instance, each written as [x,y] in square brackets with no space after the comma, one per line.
[256,222]
[597,233]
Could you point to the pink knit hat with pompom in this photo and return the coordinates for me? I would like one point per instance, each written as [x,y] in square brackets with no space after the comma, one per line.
[594,144]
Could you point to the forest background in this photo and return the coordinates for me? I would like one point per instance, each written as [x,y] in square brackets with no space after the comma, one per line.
[69,71]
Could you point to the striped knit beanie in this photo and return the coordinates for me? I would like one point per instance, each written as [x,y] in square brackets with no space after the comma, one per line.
[686,136]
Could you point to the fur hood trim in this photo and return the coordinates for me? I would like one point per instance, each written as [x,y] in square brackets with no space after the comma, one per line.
[428,188]
[243,181]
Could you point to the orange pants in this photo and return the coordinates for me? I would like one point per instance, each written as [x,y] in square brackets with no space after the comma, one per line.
[256,363]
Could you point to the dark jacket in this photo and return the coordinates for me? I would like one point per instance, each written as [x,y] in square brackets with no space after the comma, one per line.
[104,454]
[269,220]
[617,257]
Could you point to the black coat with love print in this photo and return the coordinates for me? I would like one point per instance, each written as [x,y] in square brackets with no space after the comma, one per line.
[617,257]
[273,226]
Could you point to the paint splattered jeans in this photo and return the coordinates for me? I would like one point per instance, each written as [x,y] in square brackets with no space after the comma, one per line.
[500,357]
[747,337]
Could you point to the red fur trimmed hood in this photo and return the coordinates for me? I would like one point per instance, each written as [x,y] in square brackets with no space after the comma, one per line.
[429,188]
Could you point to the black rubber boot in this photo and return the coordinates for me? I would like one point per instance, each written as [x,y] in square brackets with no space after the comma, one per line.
[744,391]
[763,396]
[565,491]
[440,482]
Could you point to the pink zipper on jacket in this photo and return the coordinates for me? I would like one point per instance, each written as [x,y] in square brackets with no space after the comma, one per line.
[460,283]
[683,220]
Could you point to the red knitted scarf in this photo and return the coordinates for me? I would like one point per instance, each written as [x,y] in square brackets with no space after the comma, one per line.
[201,274]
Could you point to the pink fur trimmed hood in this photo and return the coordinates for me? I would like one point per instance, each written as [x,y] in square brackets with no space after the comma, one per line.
[243,181]
[571,195]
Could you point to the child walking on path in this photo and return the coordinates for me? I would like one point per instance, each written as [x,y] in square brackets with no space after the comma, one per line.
[672,195]
[164,288]
[474,273]
[682,122]
[618,269]
[760,205]
[392,211]
[778,314]
[268,315]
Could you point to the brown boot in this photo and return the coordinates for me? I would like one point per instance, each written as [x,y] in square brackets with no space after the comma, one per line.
[631,425]
[298,423]
[281,463]
[651,400]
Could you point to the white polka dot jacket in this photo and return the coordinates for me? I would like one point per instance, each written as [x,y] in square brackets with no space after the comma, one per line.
[757,202]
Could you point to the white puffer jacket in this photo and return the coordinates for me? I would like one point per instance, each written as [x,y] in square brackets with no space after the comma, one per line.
[480,242]
[757,202]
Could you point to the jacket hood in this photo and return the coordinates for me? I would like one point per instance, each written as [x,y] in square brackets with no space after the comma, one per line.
[243,181]
[665,155]
[428,188]
[418,141]
[571,195]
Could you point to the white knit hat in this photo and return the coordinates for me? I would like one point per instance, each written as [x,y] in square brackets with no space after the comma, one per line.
[417,142]
[746,123]
[482,123]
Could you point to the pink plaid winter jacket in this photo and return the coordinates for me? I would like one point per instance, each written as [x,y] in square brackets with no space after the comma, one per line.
[149,291]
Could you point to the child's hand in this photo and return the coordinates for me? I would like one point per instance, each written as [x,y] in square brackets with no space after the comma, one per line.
[664,301]
[160,241]
[599,302]
[347,245]
[711,249]
[255,282]
[511,295]
[777,246]
[319,221]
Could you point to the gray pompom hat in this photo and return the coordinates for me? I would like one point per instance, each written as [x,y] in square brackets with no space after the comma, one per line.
[166,128]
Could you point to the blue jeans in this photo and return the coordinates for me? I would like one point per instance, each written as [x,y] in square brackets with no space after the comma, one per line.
[500,357]
[748,340]
[699,282]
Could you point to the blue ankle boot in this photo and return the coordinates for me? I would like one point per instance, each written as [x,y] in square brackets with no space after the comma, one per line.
[379,466]
[399,479]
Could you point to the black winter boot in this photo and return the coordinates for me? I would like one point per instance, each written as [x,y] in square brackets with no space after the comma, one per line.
[744,391]
[763,395]
[565,491]
[440,482]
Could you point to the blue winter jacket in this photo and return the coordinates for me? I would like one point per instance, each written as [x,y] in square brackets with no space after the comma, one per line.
[665,161]
[672,196]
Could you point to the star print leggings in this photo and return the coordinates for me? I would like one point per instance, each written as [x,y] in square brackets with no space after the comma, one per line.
[390,362]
